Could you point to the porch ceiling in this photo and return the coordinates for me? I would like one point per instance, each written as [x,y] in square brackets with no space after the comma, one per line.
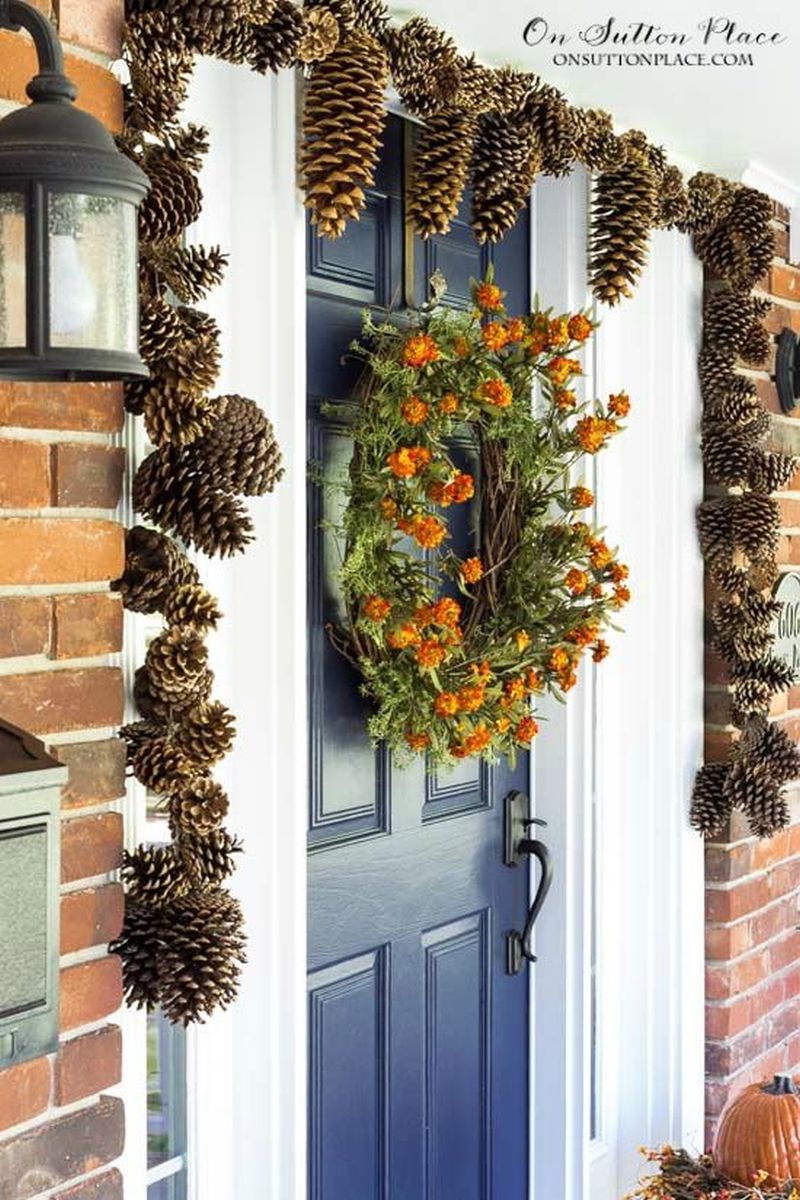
[722,118]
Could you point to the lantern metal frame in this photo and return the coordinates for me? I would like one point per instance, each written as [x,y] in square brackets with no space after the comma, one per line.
[47,148]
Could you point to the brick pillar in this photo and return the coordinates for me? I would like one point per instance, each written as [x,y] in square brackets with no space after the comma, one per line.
[60,630]
[752,947]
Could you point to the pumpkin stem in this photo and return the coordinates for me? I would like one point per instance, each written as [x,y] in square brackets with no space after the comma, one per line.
[782,1085]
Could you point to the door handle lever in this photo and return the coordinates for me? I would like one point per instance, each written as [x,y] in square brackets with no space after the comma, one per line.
[519,945]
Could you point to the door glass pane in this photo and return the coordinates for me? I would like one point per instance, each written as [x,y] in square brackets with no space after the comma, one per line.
[171,1188]
[166,1090]
[93,288]
[13,295]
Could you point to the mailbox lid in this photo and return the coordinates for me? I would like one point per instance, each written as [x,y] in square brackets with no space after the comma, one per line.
[25,762]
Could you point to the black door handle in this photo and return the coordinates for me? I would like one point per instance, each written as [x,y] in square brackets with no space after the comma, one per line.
[518,945]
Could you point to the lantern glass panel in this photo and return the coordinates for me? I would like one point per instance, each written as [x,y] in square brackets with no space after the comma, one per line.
[13,291]
[93,272]
[23,930]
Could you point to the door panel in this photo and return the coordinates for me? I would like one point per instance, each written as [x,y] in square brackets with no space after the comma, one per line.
[418,1038]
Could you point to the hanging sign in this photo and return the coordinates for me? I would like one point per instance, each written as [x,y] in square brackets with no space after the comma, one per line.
[786,627]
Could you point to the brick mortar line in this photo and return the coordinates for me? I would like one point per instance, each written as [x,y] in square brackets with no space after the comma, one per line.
[80,958]
[712,885]
[96,809]
[71,737]
[728,1080]
[72,1035]
[65,513]
[726,962]
[84,885]
[33,664]
[46,1118]
[66,437]
[24,591]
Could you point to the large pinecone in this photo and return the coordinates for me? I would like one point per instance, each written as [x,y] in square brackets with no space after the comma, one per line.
[623,212]
[673,199]
[752,788]
[192,604]
[439,172]
[775,673]
[425,66]
[715,529]
[206,27]
[209,859]
[505,163]
[158,706]
[139,946]
[190,272]
[727,453]
[780,754]
[343,122]
[160,65]
[206,733]
[136,734]
[172,489]
[770,471]
[240,453]
[175,411]
[727,318]
[558,129]
[755,525]
[275,44]
[198,807]
[709,201]
[320,36]
[175,660]
[183,345]
[154,566]
[741,245]
[711,806]
[174,200]
[155,874]
[202,949]
[160,765]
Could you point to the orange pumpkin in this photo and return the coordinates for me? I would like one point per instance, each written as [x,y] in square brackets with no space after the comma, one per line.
[759,1130]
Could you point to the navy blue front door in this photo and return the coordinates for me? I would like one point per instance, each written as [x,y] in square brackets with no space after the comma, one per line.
[418,1038]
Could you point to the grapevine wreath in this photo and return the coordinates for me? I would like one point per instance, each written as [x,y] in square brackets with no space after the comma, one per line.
[453,648]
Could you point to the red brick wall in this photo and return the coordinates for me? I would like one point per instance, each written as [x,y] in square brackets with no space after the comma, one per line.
[752,946]
[60,544]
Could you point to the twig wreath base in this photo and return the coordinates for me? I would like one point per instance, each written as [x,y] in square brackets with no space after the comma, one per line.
[679,1176]
[454,647]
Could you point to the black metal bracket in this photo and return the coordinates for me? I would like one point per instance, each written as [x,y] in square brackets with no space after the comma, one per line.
[787,370]
[51,82]
[518,844]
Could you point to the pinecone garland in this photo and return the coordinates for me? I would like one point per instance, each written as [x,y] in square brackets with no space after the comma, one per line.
[191,271]
[740,245]
[154,874]
[197,808]
[727,318]
[557,130]
[137,734]
[154,566]
[174,412]
[342,126]
[425,66]
[209,859]
[751,788]
[275,44]
[739,405]
[778,752]
[156,706]
[673,200]
[192,604]
[757,345]
[715,529]
[727,453]
[770,471]
[240,453]
[175,659]
[320,36]
[505,163]
[206,733]
[709,200]
[711,807]
[755,525]
[775,673]
[173,202]
[202,949]
[160,766]
[343,11]
[623,211]
[439,172]
[160,65]
[598,147]
[139,946]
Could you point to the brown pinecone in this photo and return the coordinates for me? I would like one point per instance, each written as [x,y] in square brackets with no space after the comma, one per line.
[174,199]
[320,36]
[439,171]
[425,66]
[209,859]
[192,604]
[260,11]
[240,453]
[778,752]
[206,733]
[775,673]
[763,574]
[160,328]
[154,566]
[343,123]
[751,788]
[727,318]
[197,808]
[739,404]
[727,452]
[154,874]
[733,580]
[770,471]
[715,530]
[202,949]
[160,766]
[139,947]
[597,146]
[505,162]
[755,525]
[137,734]
[711,807]
[717,375]
[191,271]
[623,212]
[370,16]
[557,128]
[741,245]
[276,43]
[170,488]
[175,659]
[187,145]
[673,199]
[748,645]
[160,65]
[709,200]
[750,696]
[207,26]
[175,411]
[156,706]
[343,12]
[756,346]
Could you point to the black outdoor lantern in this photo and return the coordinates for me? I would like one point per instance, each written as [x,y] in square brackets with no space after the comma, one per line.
[68,230]
[787,370]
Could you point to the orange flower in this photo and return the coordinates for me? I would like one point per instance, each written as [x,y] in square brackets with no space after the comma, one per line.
[592,433]
[580,327]
[439,494]
[537,343]
[420,455]
[523,639]
[600,651]
[564,399]
[430,653]
[414,410]
[621,595]
[458,751]
[388,508]
[461,488]
[446,704]
[600,555]
[576,581]
[495,336]
[502,724]
[597,592]
[420,350]
[478,740]
[428,532]
[533,682]
[515,329]
[581,497]
[560,369]
[405,524]
[583,635]
[470,697]
[559,659]
[462,347]
[481,670]
[619,405]
[489,297]
[423,615]
[619,572]
[527,730]
[515,689]
[417,741]
[471,570]
[403,636]
[446,612]
[449,403]
[558,332]
[496,392]
[376,608]
[567,680]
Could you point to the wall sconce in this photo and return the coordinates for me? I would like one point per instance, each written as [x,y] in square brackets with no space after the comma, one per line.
[787,370]
[69,304]
[30,794]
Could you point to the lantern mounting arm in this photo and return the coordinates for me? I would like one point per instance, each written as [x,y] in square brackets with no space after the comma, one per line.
[51,82]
